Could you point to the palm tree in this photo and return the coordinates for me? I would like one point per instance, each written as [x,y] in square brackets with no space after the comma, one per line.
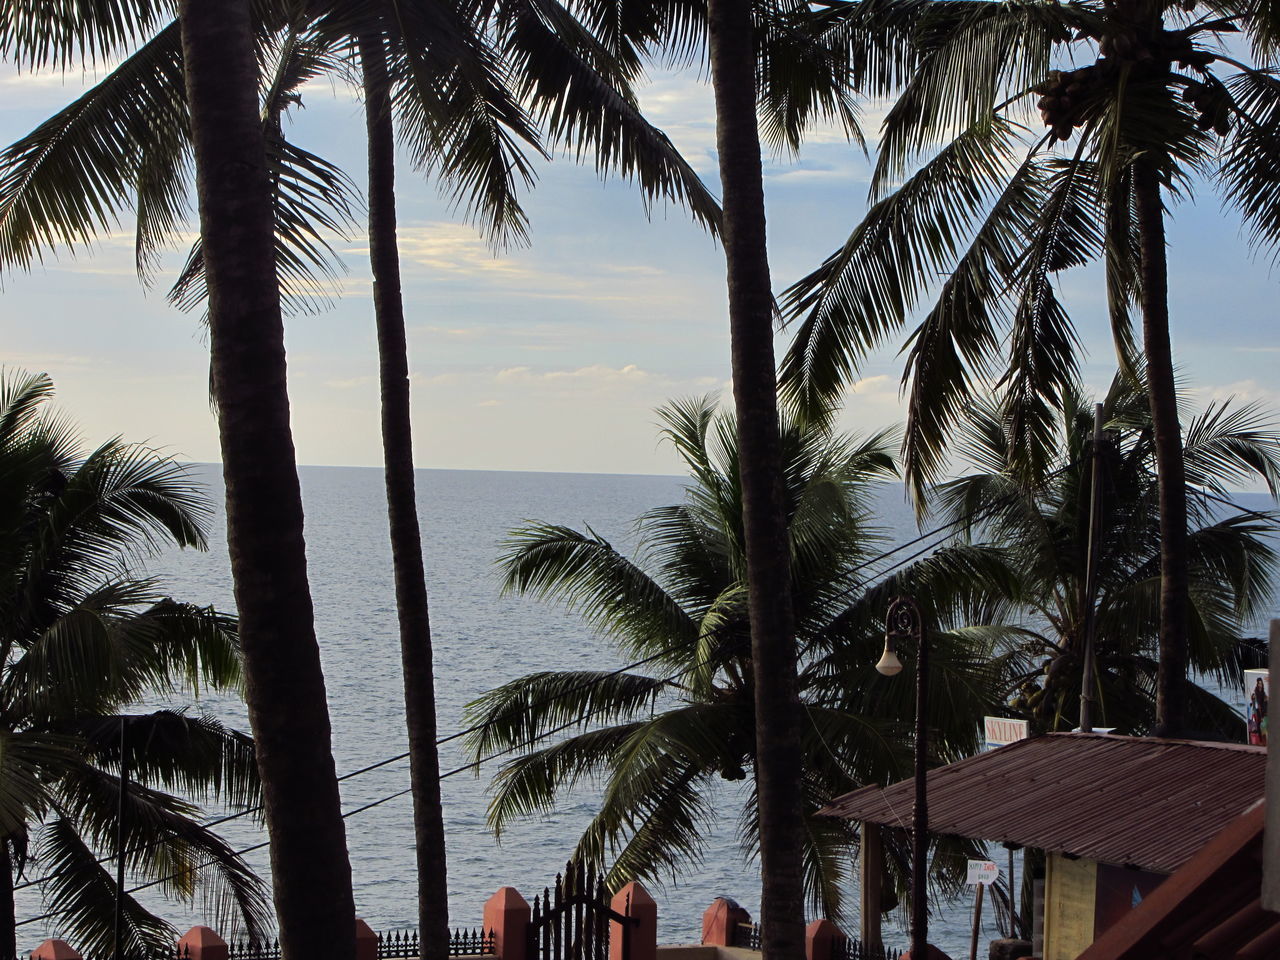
[83,638]
[658,739]
[778,718]
[455,130]
[766,59]
[463,122]
[1157,107]
[311,873]
[1043,529]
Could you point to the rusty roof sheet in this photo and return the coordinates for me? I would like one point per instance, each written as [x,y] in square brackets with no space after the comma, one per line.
[1129,801]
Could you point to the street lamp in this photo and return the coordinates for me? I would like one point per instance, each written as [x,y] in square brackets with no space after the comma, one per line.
[903,621]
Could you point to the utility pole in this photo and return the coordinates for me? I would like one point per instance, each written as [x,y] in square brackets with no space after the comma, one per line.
[1088,679]
[120,842]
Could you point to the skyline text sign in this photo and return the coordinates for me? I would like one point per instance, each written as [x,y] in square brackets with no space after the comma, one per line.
[1002,731]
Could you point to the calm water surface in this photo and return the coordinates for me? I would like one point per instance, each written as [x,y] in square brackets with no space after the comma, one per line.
[481,639]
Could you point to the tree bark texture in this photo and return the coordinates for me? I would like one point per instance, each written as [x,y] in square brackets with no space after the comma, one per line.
[285,693]
[1170,471]
[406,541]
[777,706]
[8,918]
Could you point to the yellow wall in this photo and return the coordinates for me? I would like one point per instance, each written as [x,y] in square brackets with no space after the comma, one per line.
[1069,894]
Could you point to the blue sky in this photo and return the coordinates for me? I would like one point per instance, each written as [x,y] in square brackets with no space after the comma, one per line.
[550,357]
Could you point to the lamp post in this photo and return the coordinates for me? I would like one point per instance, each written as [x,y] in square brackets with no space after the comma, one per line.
[903,621]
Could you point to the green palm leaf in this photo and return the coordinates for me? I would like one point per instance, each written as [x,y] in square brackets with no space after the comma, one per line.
[71,177]
[588,575]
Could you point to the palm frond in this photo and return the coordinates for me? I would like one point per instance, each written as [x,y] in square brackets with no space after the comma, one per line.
[164,844]
[584,102]
[197,756]
[588,575]
[30,761]
[69,179]
[865,291]
[971,56]
[1226,447]
[805,75]
[83,893]
[39,33]
[529,783]
[524,709]
[459,116]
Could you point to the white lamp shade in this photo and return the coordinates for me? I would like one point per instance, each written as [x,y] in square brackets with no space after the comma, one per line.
[889,664]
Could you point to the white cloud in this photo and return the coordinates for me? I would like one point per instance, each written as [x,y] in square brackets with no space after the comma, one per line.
[456,252]
[350,383]
[1239,393]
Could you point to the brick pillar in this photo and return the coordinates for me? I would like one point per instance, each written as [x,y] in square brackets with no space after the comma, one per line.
[634,901]
[820,938]
[202,943]
[55,950]
[366,941]
[506,916]
[720,921]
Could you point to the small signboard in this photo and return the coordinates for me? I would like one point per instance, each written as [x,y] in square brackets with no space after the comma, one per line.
[985,872]
[1257,691]
[1001,731]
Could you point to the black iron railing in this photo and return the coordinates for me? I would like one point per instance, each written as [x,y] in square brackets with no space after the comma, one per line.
[392,945]
[747,935]
[857,950]
[403,945]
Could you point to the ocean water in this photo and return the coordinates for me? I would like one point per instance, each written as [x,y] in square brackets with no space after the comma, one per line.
[481,639]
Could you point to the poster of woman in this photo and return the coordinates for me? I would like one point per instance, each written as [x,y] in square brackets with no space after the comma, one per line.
[1257,693]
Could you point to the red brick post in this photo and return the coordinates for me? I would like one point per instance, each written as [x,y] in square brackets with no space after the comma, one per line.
[55,950]
[366,941]
[634,901]
[506,915]
[720,922]
[202,943]
[820,936]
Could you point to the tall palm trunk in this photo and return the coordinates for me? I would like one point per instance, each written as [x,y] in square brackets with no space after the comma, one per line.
[8,917]
[1167,435]
[777,765]
[285,694]
[406,543]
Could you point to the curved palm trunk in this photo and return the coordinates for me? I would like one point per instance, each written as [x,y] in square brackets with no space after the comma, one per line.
[1170,472]
[406,543]
[773,652]
[285,692]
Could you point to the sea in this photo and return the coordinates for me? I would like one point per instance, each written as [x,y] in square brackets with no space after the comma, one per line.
[481,639]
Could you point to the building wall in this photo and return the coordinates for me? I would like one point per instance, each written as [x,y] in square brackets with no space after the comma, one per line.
[1070,890]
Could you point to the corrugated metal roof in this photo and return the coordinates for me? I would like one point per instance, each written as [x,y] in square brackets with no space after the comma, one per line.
[1129,801]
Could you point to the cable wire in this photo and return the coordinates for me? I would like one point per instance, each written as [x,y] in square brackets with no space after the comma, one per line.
[580,719]
[939,532]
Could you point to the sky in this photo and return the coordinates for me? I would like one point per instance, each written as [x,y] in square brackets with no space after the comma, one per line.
[553,356]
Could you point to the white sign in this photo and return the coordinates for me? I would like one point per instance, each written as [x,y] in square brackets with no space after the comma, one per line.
[1001,731]
[983,871]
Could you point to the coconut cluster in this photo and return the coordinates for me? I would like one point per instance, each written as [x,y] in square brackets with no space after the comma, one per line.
[1066,95]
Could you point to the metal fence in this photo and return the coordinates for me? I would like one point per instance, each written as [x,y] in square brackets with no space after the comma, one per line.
[392,945]
[854,949]
[748,935]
